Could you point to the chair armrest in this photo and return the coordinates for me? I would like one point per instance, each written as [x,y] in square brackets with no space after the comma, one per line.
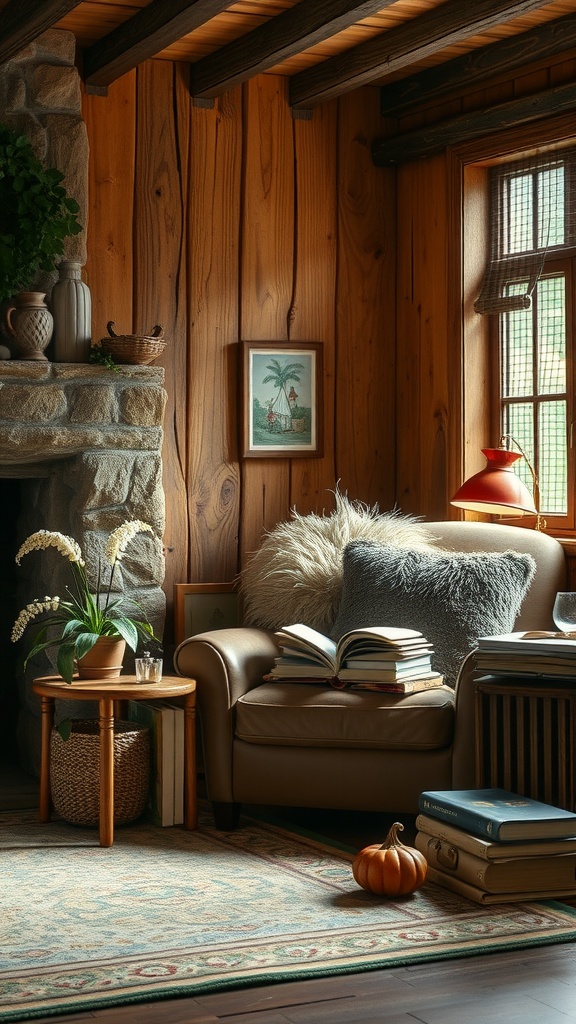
[226,663]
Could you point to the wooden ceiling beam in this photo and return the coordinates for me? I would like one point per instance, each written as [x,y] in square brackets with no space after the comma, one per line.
[145,34]
[425,142]
[289,33]
[449,23]
[507,55]
[24,20]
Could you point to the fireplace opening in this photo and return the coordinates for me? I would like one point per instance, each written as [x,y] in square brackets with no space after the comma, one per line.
[10,508]
[17,787]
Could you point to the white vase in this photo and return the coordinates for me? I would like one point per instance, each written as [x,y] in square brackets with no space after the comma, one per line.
[30,322]
[71,305]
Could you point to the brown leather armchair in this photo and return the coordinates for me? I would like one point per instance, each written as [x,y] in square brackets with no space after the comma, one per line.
[314,746]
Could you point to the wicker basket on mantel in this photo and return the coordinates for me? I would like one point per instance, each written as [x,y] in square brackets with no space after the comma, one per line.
[134,349]
[75,772]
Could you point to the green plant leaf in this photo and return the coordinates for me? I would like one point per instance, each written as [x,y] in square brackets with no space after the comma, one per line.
[126,629]
[84,643]
[65,662]
[65,728]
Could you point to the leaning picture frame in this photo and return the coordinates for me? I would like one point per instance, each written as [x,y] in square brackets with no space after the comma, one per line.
[282,399]
[199,607]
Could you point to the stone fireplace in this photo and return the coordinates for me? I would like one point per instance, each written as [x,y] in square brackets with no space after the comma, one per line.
[85,443]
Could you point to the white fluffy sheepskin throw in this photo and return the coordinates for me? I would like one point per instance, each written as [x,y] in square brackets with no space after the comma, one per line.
[296,575]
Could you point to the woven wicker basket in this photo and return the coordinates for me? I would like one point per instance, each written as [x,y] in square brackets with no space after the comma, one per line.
[75,772]
[134,349]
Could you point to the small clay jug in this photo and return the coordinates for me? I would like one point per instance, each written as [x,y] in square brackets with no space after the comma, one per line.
[31,324]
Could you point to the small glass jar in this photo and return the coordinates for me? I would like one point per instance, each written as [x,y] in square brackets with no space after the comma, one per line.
[148,669]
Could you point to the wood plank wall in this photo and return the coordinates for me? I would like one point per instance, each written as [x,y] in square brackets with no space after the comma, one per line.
[240,222]
[442,412]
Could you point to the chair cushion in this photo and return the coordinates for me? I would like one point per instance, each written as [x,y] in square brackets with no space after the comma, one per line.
[298,715]
[452,597]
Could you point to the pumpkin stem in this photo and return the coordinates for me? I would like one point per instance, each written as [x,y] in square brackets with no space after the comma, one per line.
[392,837]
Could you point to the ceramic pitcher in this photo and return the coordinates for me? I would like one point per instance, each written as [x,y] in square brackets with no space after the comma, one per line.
[31,324]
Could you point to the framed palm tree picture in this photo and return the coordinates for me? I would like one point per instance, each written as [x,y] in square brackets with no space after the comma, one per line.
[282,398]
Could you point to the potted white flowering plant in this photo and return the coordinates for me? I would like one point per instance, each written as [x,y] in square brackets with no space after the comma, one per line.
[75,625]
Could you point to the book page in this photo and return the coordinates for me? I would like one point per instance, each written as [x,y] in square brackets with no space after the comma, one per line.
[302,639]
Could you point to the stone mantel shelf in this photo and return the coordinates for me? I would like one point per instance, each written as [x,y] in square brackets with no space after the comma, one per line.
[50,411]
[32,369]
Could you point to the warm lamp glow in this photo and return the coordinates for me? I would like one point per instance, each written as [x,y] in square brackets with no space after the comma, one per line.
[496,489]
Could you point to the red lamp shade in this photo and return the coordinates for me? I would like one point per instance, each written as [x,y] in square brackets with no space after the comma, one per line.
[496,489]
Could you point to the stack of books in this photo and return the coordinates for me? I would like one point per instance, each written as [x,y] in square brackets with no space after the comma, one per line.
[537,654]
[376,658]
[494,846]
[166,724]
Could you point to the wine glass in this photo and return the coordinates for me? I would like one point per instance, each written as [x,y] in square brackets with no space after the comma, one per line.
[564,612]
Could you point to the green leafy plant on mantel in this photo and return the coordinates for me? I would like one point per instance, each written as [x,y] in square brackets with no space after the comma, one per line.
[101,358]
[36,215]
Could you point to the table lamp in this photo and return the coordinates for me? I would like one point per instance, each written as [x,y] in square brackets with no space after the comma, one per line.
[497,489]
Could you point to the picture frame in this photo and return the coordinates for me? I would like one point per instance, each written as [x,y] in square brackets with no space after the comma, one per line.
[278,380]
[199,607]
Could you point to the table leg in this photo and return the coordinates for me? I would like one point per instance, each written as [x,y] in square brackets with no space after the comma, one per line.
[190,798]
[47,724]
[106,722]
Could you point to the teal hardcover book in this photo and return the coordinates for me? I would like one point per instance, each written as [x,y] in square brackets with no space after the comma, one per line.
[498,814]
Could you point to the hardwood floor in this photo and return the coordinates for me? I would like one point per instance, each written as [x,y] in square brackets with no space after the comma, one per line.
[530,986]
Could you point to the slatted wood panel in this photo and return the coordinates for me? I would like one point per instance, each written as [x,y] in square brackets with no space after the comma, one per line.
[525,740]
[109,268]
[212,467]
[160,261]
[311,314]
[365,321]
[267,273]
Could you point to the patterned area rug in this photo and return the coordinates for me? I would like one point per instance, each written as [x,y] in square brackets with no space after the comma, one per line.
[166,912]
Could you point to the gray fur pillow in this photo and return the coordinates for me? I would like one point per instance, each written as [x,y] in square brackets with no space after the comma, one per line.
[296,575]
[452,597]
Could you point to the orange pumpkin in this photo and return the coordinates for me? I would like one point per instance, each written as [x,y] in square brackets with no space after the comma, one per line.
[391,869]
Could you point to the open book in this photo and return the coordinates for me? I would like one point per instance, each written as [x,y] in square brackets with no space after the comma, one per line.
[372,656]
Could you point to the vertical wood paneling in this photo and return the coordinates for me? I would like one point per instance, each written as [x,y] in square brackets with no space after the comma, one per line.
[160,256]
[226,226]
[422,330]
[111,127]
[365,318]
[214,273]
[266,274]
[432,287]
[314,294]
[408,371]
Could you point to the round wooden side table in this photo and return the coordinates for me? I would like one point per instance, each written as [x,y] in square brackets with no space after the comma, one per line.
[110,694]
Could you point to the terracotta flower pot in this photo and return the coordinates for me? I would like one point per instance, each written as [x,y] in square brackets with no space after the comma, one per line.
[104,661]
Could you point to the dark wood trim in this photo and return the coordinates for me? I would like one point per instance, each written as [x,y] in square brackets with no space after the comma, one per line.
[24,20]
[432,139]
[488,62]
[287,34]
[148,32]
[442,26]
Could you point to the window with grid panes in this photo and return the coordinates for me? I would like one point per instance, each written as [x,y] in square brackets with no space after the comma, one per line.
[531,276]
